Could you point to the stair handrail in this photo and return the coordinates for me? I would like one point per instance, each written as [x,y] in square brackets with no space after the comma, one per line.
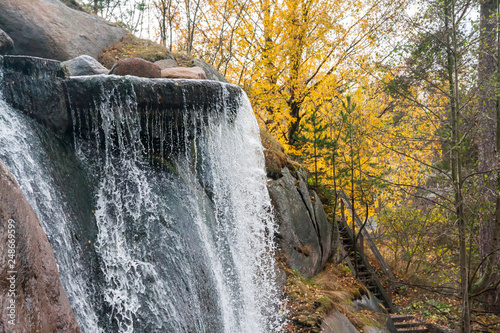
[367,236]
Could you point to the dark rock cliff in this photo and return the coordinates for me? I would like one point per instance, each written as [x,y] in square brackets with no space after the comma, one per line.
[41,89]
[306,239]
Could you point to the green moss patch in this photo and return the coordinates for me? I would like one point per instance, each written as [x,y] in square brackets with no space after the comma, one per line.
[73,5]
[276,158]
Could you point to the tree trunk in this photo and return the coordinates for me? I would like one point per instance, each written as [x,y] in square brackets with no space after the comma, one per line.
[456,170]
[486,134]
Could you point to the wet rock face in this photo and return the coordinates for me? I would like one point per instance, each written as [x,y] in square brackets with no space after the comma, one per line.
[35,87]
[31,296]
[50,29]
[304,233]
[136,67]
[6,43]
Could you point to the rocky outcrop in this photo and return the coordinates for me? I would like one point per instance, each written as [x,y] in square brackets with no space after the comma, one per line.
[49,29]
[210,71]
[304,233]
[6,43]
[32,297]
[184,73]
[373,314]
[84,65]
[137,67]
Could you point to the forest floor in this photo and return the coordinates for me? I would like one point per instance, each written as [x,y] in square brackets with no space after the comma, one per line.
[415,295]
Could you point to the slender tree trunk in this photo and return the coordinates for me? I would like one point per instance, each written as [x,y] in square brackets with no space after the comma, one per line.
[352,199]
[164,24]
[170,26]
[315,149]
[456,170]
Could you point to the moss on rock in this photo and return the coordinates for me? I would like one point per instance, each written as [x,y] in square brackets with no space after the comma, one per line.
[334,289]
[275,156]
[132,46]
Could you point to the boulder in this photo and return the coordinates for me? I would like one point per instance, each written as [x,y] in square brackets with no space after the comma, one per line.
[29,274]
[50,29]
[183,73]
[211,72]
[137,67]
[6,43]
[84,65]
[337,322]
[166,63]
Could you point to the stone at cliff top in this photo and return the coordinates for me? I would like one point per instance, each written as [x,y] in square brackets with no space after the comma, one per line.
[137,67]
[166,63]
[184,73]
[50,29]
[39,303]
[84,65]
[6,43]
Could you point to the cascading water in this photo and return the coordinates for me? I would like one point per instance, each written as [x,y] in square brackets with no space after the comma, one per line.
[29,150]
[183,227]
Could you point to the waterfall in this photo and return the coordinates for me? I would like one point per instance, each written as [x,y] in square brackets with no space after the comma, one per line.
[25,147]
[181,230]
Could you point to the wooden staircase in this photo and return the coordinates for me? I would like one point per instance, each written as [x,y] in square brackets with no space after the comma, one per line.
[357,262]
[365,272]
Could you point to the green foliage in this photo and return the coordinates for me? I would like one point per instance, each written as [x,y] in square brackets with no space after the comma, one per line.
[420,242]
[314,144]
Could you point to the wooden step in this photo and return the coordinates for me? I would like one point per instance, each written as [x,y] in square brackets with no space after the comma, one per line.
[398,318]
[407,324]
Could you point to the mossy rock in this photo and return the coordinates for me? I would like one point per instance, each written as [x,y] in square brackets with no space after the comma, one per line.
[132,46]
[275,156]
